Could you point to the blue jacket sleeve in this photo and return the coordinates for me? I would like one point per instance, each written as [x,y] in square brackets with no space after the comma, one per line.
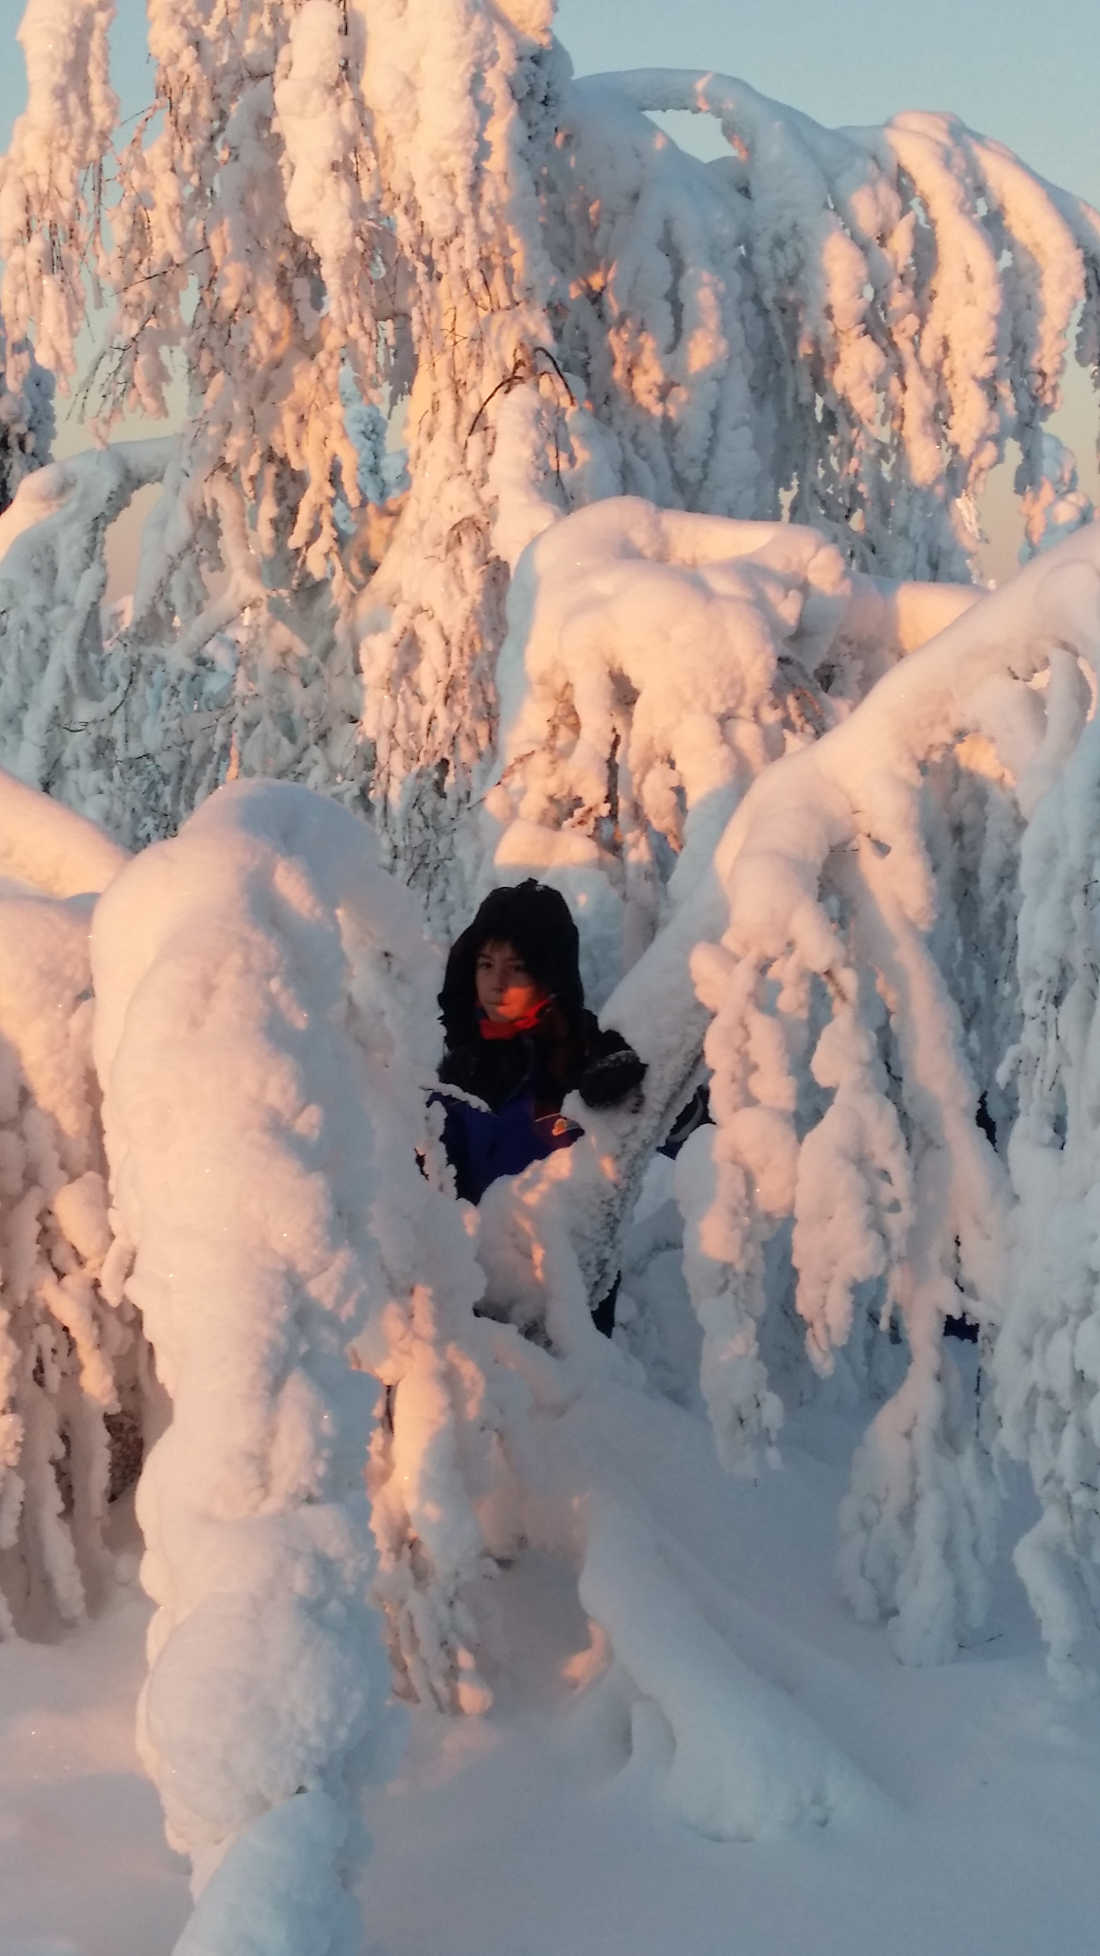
[482,1146]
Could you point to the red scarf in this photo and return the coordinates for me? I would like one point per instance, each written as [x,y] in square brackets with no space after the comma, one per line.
[507,1029]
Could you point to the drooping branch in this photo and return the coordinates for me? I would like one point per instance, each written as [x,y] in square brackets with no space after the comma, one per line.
[53,577]
[70,1352]
[918,283]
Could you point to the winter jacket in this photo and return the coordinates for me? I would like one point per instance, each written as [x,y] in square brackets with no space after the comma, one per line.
[523,1079]
[522,1082]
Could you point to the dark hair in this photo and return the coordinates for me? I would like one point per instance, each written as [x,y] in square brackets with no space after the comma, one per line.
[537,922]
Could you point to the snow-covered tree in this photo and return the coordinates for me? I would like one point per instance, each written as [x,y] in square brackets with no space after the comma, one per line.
[561,504]
[1046,1360]
[69,1359]
[554,302]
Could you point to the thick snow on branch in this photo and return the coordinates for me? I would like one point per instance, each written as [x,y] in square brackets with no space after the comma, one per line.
[48,849]
[746,1762]
[663,321]
[883,1171]
[55,683]
[68,1358]
[917,283]
[464,104]
[1047,1359]
[219,195]
[264,1006]
[842,1079]
[656,661]
[1055,505]
[50,179]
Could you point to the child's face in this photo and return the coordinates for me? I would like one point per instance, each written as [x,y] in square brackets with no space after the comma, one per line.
[505,988]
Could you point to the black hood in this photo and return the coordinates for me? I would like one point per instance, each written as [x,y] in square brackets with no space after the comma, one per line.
[537,921]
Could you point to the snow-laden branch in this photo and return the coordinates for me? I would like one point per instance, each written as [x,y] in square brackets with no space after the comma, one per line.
[656,660]
[26,415]
[50,179]
[1047,1359]
[921,378]
[130,722]
[53,575]
[44,846]
[829,888]
[349,207]
[70,1353]
[778,840]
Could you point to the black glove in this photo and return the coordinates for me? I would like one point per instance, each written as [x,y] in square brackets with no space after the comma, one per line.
[611,1073]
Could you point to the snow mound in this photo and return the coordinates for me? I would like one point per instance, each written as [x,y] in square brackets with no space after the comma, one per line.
[746,1762]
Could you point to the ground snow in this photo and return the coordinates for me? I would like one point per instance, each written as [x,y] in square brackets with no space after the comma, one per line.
[546,1826]
[83,1863]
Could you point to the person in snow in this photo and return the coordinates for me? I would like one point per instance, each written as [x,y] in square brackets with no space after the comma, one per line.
[519,1038]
